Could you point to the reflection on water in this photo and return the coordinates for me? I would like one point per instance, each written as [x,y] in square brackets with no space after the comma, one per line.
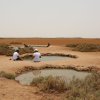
[27,78]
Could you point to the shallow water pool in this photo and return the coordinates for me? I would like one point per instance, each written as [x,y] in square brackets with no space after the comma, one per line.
[50,58]
[26,78]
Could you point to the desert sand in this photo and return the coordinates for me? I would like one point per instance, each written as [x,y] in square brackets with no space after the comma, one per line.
[84,60]
[45,41]
[11,90]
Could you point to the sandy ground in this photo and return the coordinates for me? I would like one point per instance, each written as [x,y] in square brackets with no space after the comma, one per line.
[45,41]
[11,90]
[84,59]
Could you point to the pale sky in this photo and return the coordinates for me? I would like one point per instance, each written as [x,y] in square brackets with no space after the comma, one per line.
[50,18]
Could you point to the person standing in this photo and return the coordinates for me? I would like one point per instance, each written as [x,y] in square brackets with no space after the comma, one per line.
[37,56]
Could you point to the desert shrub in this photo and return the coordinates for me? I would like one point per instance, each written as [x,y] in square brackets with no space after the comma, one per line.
[54,84]
[26,50]
[72,45]
[85,47]
[9,52]
[87,89]
[50,84]
[6,50]
[3,49]
[88,47]
[38,80]
[76,89]
[7,75]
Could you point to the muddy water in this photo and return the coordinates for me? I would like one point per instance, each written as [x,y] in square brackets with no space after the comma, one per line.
[50,58]
[26,78]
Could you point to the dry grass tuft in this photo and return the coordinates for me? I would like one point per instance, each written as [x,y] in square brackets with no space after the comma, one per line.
[6,50]
[87,89]
[7,75]
[26,50]
[50,84]
[85,47]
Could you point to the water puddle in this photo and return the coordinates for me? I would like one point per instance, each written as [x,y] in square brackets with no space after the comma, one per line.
[26,78]
[49,58]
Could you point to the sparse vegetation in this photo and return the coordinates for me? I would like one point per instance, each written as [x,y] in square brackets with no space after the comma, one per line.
[38,80]
[26,50]
[7,75]
[6,50]
[84,47]
[87,89]
[50,84]
[72,45]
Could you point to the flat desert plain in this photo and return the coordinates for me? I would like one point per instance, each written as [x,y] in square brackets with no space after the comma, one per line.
[11,90]
[52,41]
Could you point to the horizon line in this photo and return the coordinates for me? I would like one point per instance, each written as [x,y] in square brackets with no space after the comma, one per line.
[51,37]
